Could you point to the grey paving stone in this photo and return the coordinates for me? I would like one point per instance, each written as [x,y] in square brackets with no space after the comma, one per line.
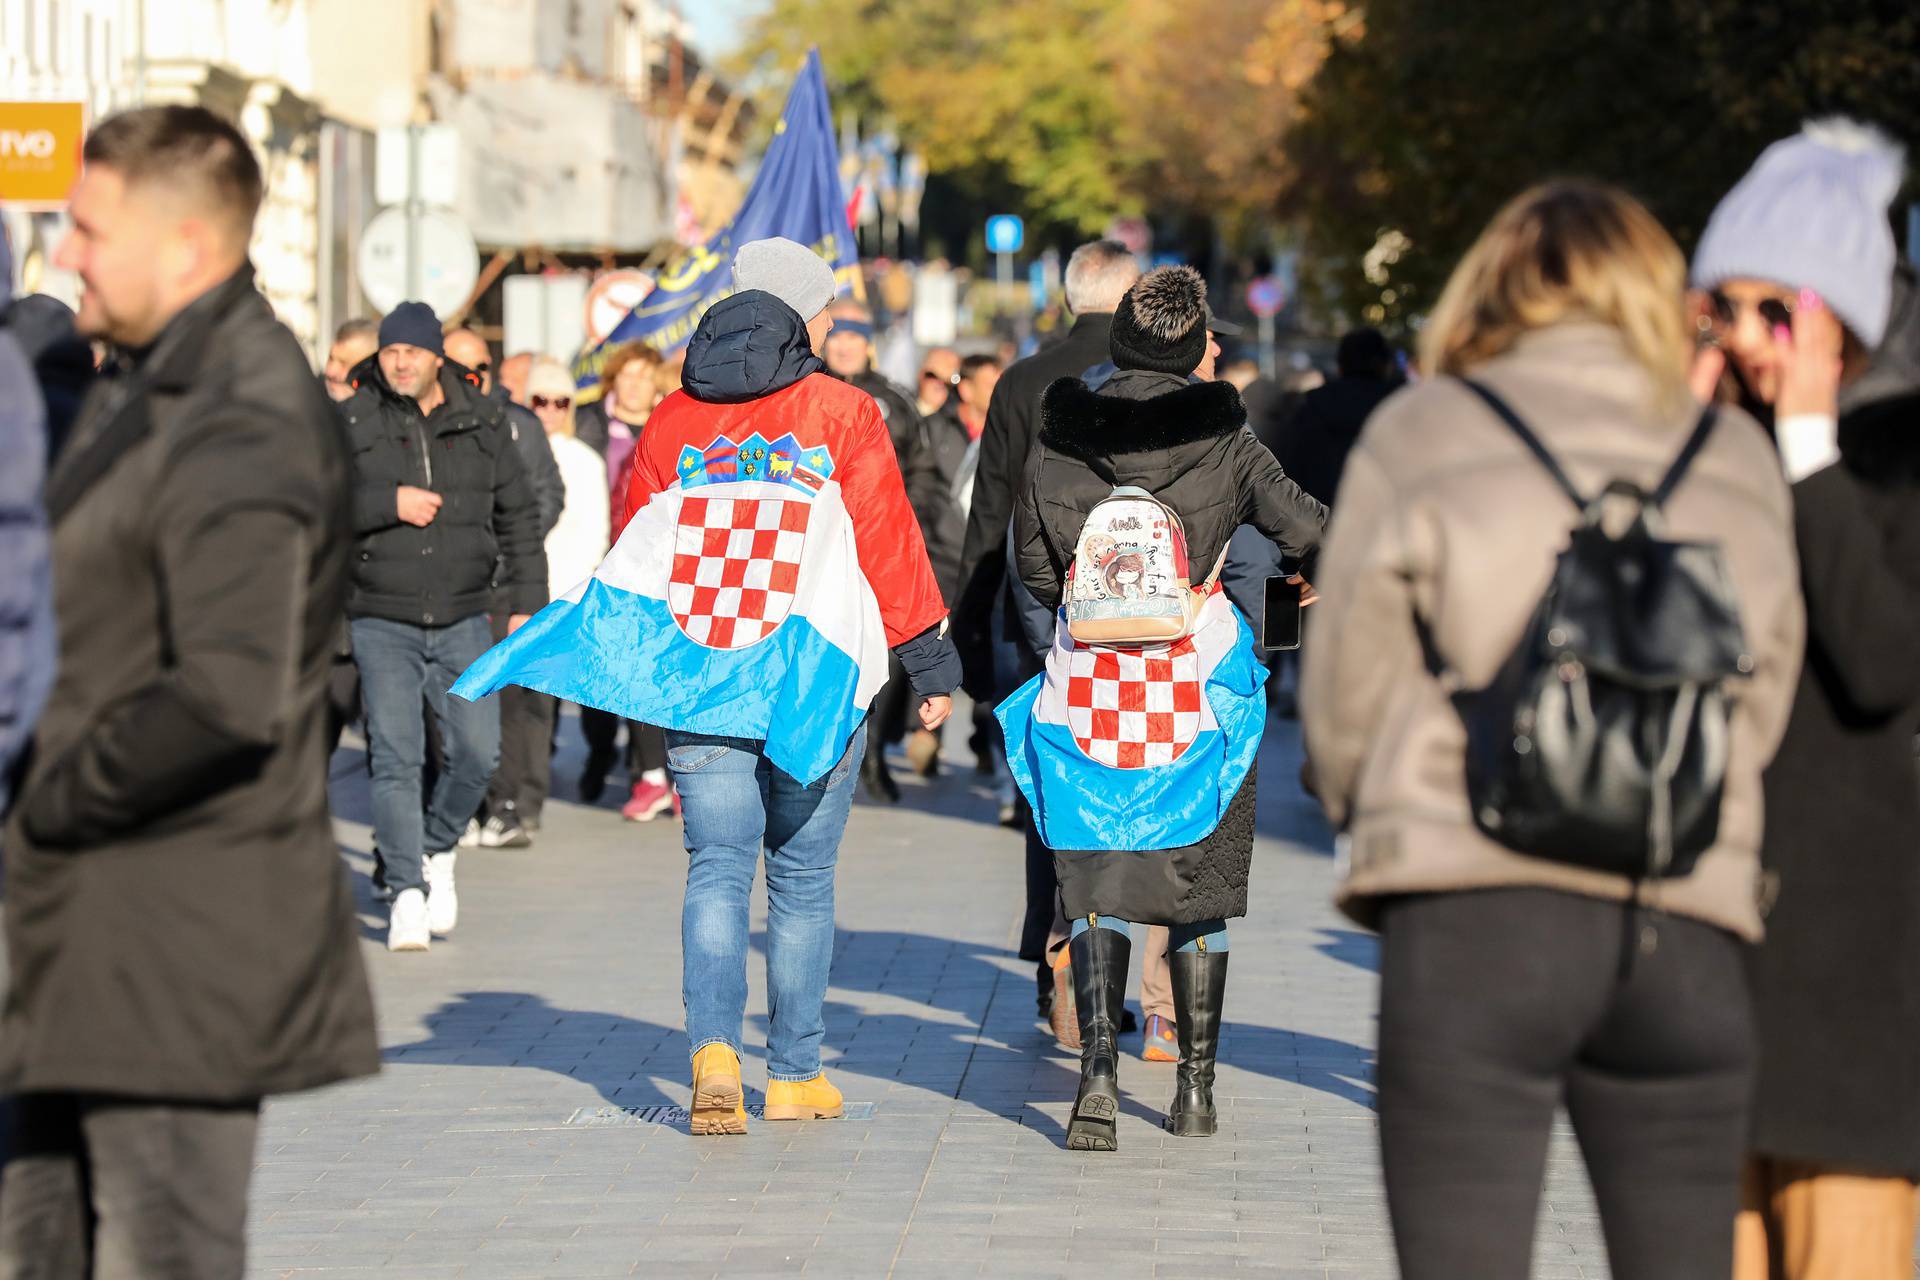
[560,997]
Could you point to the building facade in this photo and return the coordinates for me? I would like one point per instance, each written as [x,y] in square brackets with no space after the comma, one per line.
[246,59]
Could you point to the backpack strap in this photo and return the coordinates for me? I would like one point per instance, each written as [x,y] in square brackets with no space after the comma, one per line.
[1206,587]
[1688,452]
[1521,429]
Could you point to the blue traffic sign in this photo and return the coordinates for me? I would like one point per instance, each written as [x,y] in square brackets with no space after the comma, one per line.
[1005,233]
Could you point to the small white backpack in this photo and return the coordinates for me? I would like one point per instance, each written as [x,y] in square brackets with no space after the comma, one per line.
[1130,582]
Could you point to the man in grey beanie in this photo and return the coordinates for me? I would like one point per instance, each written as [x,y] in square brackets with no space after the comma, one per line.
[789,271]
[757,473]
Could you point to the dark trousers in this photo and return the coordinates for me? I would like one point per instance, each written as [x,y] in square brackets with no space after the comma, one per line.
[1496,1007]
[646,743]
[1043,895]
[399,665]
[122,1188]
[343,699]
[520,785]
[518,791]
[888,719]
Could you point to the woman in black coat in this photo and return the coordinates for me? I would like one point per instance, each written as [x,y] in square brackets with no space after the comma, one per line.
[1185,442]
[1837,982]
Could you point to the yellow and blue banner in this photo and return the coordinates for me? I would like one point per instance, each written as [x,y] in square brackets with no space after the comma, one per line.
[795,194]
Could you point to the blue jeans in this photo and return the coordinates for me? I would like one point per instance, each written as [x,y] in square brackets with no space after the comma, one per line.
[1180,937]
[401,664]
[736,803]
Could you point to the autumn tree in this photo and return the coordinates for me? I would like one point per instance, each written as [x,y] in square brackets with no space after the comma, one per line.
[1419,127]
[1086,108]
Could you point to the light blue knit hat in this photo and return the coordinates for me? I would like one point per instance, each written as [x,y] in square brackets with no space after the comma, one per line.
[1812,214]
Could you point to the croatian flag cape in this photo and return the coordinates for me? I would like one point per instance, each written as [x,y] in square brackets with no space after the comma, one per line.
[1138,747]
[734,603]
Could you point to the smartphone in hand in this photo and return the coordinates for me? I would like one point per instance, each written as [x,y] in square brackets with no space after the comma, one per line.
[1280,615]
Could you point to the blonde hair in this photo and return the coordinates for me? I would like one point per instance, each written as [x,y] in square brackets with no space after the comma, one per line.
[548,377]
[1566,250]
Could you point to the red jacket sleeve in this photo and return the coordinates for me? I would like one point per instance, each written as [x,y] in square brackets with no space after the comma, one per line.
[892,554]
[638,486]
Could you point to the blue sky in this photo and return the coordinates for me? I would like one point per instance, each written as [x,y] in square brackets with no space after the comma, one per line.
[717,23]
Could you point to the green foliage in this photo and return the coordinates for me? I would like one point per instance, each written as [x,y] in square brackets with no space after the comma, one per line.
[1442,110]
[1017,89]
[1088,108]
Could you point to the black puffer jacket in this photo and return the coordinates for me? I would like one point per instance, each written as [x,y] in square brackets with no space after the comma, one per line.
[1188,445]
[932,486]
[464,452]
[1185,443]
[896,410]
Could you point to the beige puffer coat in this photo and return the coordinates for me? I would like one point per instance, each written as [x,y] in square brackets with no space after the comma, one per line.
[1444,512]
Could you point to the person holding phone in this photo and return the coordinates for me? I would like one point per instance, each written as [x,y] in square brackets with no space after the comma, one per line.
[1813,328]
[1512,982]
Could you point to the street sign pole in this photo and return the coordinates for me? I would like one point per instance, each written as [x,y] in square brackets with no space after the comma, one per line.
[414,205]
[1006,233]
[1265,297]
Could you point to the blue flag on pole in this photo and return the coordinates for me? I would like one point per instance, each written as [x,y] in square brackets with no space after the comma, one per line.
[795,194]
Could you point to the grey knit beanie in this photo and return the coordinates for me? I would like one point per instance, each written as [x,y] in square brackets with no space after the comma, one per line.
[789,271]
[1812,214]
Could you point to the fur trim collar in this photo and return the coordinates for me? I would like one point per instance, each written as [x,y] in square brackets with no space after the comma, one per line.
[1080,422]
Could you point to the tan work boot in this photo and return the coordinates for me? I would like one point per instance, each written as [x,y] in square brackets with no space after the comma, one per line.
[813,1099]
[718,1105]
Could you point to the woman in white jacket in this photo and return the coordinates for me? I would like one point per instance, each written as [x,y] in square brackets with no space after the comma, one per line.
[578,542]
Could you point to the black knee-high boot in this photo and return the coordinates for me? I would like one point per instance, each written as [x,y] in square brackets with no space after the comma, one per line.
[1100,984]
[1199,988]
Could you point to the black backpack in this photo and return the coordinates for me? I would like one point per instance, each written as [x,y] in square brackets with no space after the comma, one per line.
[1602,741]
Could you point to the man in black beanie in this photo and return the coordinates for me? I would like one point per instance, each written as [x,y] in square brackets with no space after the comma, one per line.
[437,487]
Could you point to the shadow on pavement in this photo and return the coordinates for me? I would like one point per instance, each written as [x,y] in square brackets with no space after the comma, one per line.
[1283,810]
[1350,946]
[992,1051]
[607,1051]
[988,1051]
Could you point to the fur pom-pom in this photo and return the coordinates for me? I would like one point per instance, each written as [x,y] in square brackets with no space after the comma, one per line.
[1878,149]
[1169,301]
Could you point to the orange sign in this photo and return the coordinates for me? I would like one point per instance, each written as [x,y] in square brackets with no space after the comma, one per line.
[40,151]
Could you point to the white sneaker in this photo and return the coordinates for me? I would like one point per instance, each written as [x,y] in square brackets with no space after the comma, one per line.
[407,922]
[502,833]
[470,838]
[443,904]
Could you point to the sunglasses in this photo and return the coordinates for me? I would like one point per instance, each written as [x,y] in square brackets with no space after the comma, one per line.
[562,403]
[930,375]
[1774,312]
[483,366]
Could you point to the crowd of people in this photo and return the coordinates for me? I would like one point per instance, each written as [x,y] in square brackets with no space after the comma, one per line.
[1605,689]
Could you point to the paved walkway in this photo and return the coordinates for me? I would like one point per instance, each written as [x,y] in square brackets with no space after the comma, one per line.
[525,1124]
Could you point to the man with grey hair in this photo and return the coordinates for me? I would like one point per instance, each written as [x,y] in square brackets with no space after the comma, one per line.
[355,340]
[1098,276]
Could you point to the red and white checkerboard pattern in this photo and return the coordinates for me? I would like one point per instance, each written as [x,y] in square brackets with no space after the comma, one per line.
[736,565]
[1134,708]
